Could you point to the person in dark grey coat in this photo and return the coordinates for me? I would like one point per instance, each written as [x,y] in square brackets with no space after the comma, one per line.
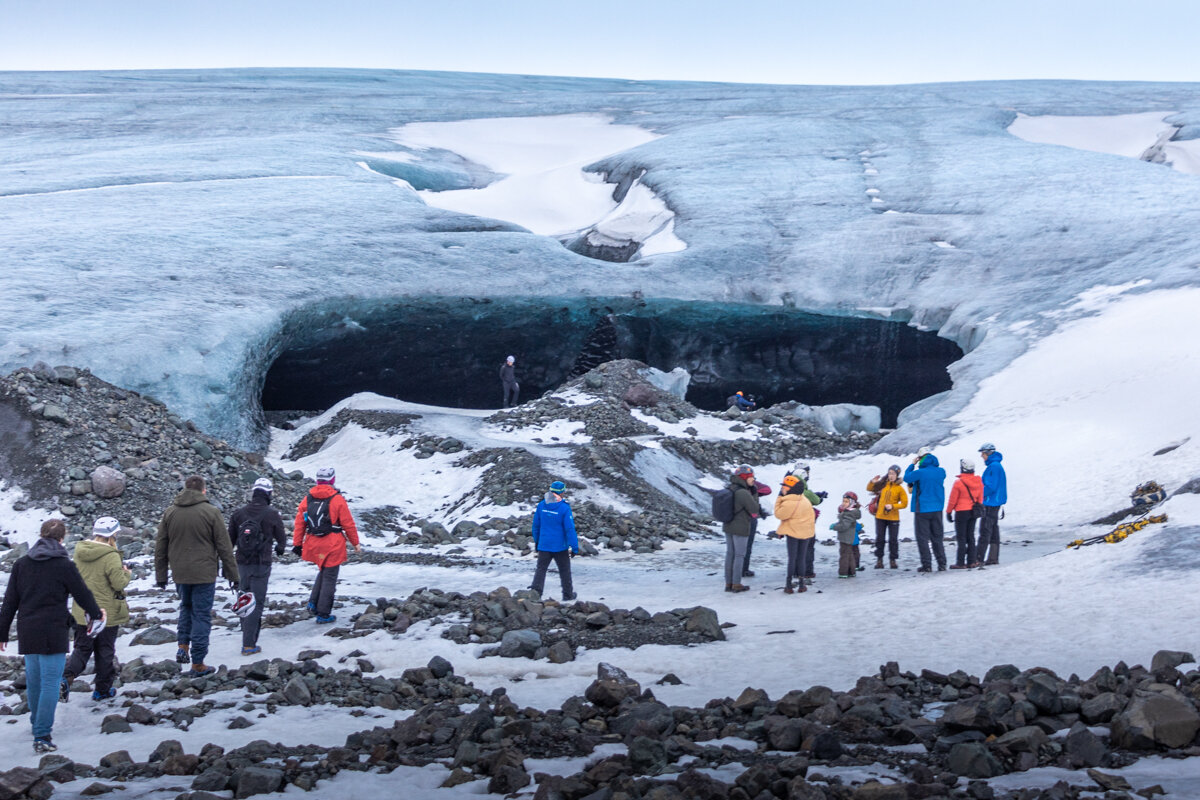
[746,509]
[37,594]
[508,380]
[259,522]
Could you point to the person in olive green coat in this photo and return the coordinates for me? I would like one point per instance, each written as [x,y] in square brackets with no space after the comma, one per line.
[106,576]
[193,543]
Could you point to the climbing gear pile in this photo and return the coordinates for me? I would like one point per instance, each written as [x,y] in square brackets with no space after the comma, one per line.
[1121,532]
[1148,494]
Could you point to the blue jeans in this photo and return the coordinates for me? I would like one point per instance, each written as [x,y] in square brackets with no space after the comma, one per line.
[195,617]
[42,676]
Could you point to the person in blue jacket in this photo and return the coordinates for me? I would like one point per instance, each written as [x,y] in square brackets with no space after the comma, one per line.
[995,495]
[927,483]
[554,539]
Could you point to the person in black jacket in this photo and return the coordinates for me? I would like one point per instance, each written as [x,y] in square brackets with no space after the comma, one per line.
[508,379]
[37,594]
[254,529]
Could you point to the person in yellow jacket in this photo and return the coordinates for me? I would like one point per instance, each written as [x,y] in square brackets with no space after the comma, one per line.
[797,524]
[892,498]
[106,576]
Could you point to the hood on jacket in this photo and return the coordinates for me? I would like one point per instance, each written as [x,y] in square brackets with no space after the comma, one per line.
[323,491]
[928,461]
[190,497]
[89,550]
[994,458]
[549,500]
[738,482]
[45,549]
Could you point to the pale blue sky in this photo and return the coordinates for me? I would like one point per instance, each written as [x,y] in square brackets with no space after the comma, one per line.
[886,41]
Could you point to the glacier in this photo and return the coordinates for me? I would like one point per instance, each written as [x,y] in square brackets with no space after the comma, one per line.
[168,229]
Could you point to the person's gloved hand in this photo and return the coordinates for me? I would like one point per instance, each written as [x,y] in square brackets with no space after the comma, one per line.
[822,495]
[233,585]
[773,535]
[574,553]
[297,549]
[279,551]
[949,516]
[832,525]
[161,584]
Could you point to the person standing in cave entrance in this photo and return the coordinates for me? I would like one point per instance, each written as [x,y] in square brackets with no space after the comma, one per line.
[554,539]
[741,401]
[322,527]
[508,380]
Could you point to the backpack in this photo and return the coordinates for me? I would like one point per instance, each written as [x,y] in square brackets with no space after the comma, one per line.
[722,506]
[317,521]
[976,506]
[250,537]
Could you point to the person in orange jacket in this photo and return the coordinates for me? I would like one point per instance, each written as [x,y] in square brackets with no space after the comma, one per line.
[322,528]
[960,509]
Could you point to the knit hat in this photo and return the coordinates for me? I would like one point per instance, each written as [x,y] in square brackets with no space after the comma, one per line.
[966,465]
[987,447]
[744,471]
[895,468]
[558,487]
[851,495]
[326,475]
[263,485]
[107,527]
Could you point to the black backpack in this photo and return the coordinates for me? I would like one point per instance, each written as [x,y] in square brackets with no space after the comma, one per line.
[250,537]
[317,521]
[722,505]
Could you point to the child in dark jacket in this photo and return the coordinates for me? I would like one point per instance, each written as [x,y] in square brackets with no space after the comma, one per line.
[846,527]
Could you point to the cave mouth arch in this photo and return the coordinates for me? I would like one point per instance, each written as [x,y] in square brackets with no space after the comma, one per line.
[448,351]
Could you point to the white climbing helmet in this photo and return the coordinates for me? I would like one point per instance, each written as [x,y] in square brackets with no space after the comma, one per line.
[244,605]
[107,527]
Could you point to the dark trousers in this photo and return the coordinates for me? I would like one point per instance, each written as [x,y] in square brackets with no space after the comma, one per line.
[749,546]
[195,617]
[989,536]
[964,532]
[797,552]
[846,565]
[104,647]
[511,392]
[810,559]
[887,531]
[254,578]
[562,560]
[323,590]
[928,527]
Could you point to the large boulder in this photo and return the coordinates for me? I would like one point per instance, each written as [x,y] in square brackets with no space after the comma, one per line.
[155,635]
[973,760]
[704,621]
[258,780]
[1169,659]
[1152,720]
[107,482]
[611,686]
[520,644]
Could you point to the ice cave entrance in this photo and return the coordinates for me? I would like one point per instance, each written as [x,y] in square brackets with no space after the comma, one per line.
[448,352]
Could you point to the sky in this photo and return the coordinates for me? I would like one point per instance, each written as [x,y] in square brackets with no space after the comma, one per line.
[766,41]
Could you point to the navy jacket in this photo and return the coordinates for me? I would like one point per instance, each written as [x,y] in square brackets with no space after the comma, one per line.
[274,534]
[38,589]
[995,482]
[554,526]
[928,485]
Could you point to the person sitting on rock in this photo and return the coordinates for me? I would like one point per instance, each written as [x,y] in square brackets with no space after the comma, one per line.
[554,539]
[741,402]
[254,529]
[99,562]
[321,529]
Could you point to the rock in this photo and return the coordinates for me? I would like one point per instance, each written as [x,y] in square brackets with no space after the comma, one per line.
[139,715]
[55,413]
[874,790]
[17,781]
[704,621]
[560,652]
[611,687]
[784,733]
[826,747]
[1169,659]
[297,693]
[66,375]
[1044,691]
[96,789]
[647,755]
[520,644]
[1084,748]
[650,718]
[311,655]
[155,636]
[115,723]
[1023,740]
[1109,783]
[1155,719]
[508,779]
[670,679]
[973,760]
[57,768]
[258,780]
[749,698]
[107,482]
[119,758]
[440,667]
[212,779]
[165,749]
[1003,672]
[1102,708]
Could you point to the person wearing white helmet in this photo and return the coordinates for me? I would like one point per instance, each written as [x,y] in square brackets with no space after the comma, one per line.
[99,562]
[255,529]
[322,528]
[995,495]
[508,381]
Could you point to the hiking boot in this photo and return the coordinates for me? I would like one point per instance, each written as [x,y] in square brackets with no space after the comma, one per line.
[892,564]
[747,573]
[802,588]
[941,567]
[790,590]
[64,691]
[312,607]
[879,563]
[992,562]
[808,581]
[108,695]
[740,587]
[200,670]
[567,598]
[44,745]
[925,569]
[326,620]
[959,566]
[251,651]
[843,577]
[974,565]
[182,655]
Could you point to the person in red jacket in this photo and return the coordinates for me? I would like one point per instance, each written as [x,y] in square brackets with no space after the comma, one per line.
[960,509]
[323,526]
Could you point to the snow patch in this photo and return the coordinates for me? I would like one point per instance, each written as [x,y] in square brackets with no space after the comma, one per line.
[1146,136]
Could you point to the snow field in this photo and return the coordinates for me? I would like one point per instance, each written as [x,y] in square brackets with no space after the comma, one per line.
[1128,135]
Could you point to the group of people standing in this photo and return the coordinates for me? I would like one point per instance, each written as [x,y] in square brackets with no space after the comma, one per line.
[194,545]
[921,487]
